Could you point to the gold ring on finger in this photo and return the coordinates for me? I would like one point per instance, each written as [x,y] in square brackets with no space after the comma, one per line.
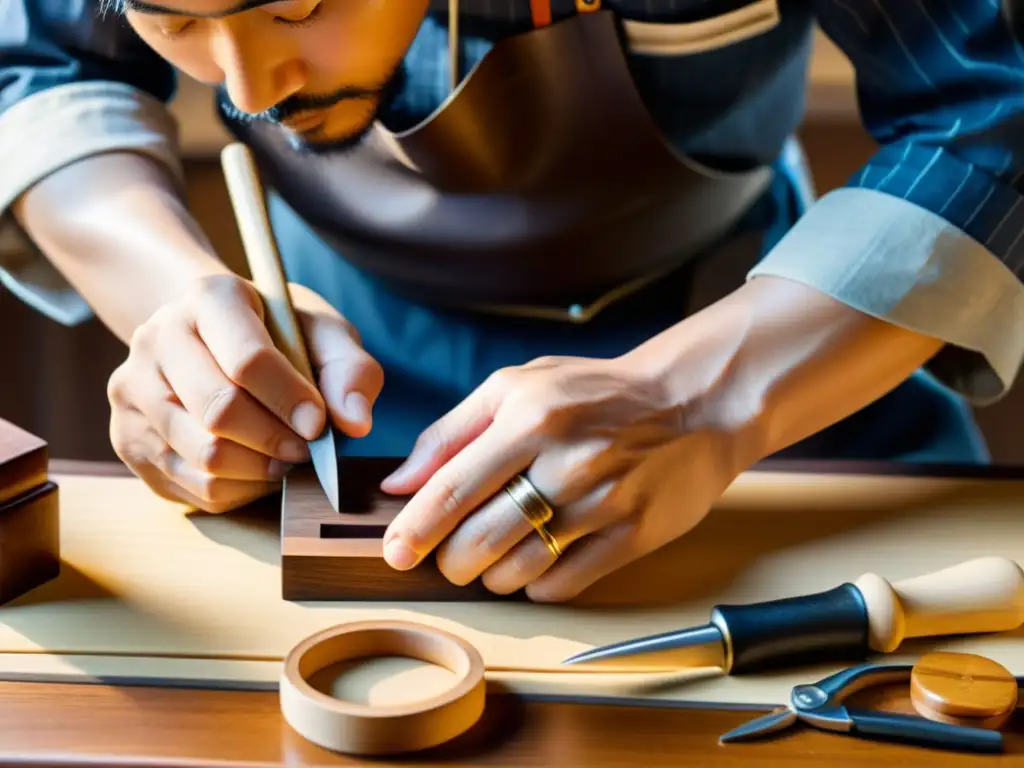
[534,508]
[549,541]
[530,501]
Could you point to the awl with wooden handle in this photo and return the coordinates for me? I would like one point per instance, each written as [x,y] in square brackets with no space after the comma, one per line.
[268,277]
[847,623]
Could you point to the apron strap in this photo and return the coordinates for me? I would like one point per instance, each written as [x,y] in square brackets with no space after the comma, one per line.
[540,10]
[454,61]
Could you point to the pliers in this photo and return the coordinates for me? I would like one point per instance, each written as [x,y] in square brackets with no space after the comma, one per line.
[820,705]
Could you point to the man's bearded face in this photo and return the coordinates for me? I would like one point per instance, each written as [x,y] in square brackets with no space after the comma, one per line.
[321,69]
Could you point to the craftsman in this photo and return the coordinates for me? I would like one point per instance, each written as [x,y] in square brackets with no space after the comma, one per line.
[499,278]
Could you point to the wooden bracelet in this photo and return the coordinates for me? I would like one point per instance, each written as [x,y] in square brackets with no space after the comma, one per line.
[377,730]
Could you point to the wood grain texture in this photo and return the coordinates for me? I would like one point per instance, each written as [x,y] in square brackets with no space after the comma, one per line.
[48,724]
[365,728]
[339,556]
[67,724]
[963,689]
[29,541]
[23,461]
[29,514]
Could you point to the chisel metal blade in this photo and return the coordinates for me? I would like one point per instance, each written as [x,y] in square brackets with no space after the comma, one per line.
[775,721]
[324,452]
[682,649]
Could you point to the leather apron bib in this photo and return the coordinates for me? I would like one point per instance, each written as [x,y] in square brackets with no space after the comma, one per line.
[541,186]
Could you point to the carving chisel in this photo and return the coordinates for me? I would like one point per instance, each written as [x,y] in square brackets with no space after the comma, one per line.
[846,623]
[268,277]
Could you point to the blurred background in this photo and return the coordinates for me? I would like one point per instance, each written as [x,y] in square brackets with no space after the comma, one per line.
[54,384]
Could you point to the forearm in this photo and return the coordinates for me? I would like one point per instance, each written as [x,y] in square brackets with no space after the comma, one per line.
[776,361]
[118,230]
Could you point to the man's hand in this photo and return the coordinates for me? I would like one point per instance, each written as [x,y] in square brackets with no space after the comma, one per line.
[625,469]
[209,413]
[632,452]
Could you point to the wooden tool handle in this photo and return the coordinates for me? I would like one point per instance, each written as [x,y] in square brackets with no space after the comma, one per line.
[977,596]
[261,252]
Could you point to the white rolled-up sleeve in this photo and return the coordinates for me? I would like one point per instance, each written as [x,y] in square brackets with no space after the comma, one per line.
[929,233]
[49,130]
[901,263]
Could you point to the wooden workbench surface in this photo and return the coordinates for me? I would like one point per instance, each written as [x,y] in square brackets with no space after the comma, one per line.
[91,724]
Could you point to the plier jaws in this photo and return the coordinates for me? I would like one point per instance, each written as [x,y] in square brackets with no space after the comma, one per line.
[821,705]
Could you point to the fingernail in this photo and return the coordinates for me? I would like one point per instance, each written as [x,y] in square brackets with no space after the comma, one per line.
[294,451]
[398,555]
[398,475]
[408,467]
[276,470]
[357,407]
[306,420]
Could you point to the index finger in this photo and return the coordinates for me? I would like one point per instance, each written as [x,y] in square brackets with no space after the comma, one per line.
[226,320]
[461,485]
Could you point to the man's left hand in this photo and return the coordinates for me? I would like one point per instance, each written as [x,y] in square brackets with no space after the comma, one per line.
[625,467]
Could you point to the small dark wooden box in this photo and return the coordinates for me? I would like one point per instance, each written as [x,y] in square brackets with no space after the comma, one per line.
[327,555]
[29,514]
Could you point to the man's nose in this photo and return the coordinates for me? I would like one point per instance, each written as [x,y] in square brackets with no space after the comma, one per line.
[256,76]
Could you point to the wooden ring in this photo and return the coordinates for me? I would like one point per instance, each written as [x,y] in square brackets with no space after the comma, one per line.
[355,728]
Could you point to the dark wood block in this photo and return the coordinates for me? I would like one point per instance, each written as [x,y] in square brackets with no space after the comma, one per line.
[23,461]
[328,555]
[29,514]
[29,541]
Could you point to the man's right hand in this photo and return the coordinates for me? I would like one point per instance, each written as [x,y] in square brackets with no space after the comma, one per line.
[209,413]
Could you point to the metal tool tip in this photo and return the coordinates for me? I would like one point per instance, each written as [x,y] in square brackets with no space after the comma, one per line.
[772,722]
[677,650]
[578,657]
[324,455]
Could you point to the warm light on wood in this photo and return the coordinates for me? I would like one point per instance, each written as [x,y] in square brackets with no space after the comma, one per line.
[198,596]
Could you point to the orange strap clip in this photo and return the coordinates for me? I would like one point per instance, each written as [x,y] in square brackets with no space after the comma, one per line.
[540,10]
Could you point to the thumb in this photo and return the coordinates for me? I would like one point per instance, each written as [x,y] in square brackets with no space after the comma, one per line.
[350,379]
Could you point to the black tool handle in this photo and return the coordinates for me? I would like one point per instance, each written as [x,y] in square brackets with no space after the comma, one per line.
[926,733]
[821,627]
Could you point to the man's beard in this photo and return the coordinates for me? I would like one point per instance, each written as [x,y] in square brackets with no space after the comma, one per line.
[298,103]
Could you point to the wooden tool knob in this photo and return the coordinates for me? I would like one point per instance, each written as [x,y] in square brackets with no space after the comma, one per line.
[981,595]
[963,689]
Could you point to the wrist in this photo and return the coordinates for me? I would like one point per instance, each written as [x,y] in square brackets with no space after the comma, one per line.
[776,361]
[693,368]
